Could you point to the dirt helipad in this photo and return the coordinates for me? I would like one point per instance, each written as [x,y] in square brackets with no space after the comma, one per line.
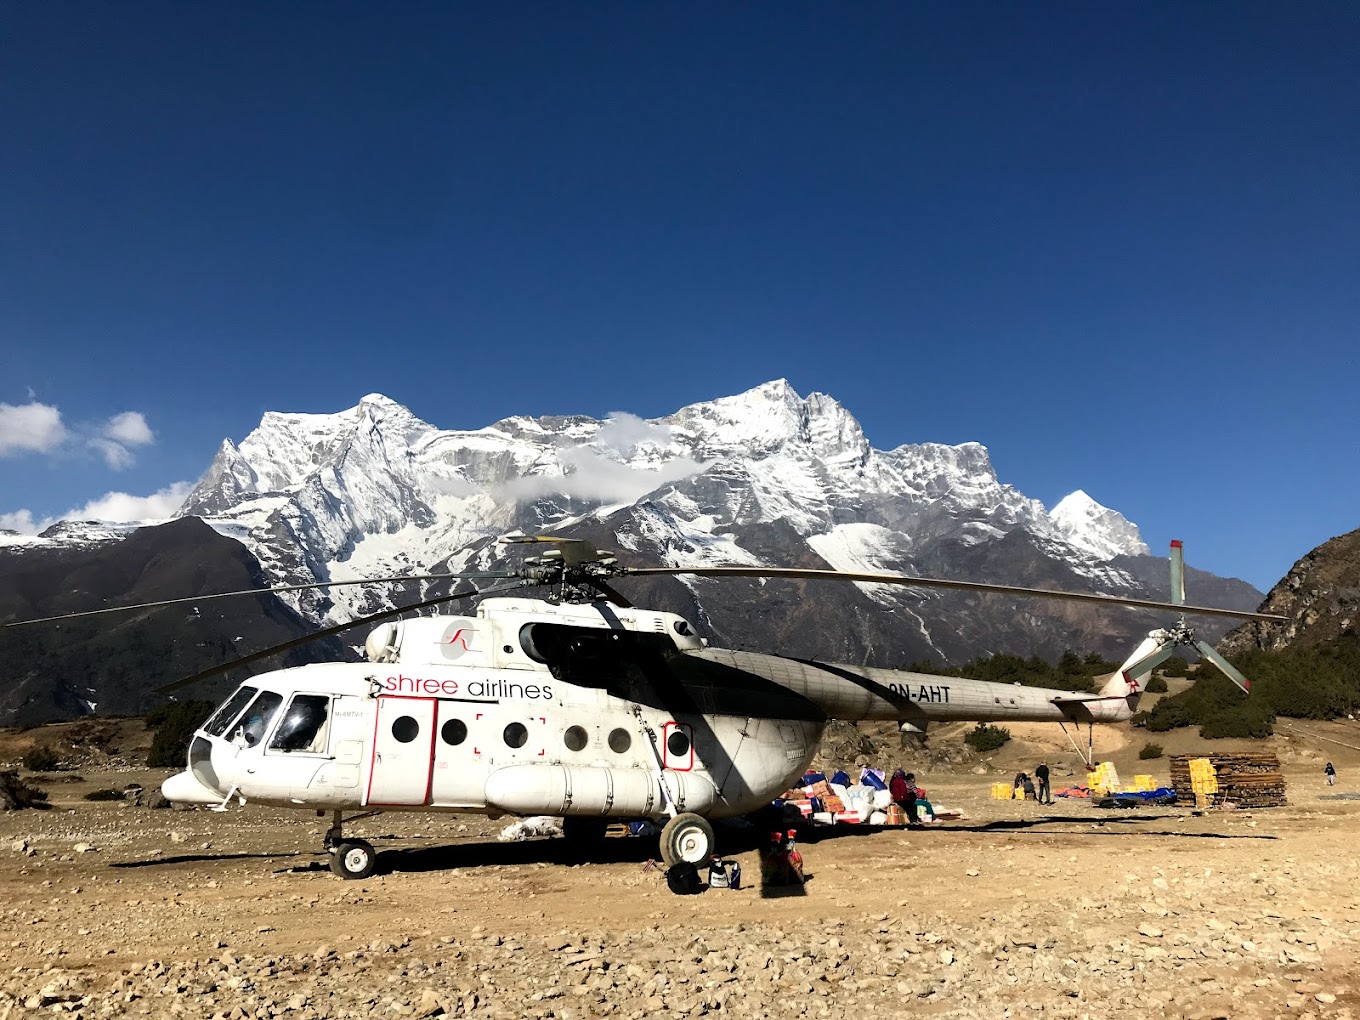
[1019,909]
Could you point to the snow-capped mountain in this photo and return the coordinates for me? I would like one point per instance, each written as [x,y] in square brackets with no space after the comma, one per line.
[1095,529]
[375,490]
[762,477]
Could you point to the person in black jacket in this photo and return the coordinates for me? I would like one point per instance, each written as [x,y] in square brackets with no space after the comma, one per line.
[1041,775]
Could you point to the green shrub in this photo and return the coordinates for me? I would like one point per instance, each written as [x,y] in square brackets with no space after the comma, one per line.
[1156,685]
[1250,719]
[174,725]
[1150,750]
[1175,666]
[41,759]
[985,737]
[109,794]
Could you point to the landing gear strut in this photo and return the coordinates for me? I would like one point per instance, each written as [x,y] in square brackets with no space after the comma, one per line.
[350,858]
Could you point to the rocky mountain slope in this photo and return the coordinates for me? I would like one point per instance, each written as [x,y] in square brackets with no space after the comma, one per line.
[111,664]
[762,477]
[1320,595]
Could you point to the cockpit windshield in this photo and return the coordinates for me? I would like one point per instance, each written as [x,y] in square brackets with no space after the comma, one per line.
[255,722]
[223,717]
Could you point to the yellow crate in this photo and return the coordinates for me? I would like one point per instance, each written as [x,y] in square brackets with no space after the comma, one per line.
[1002,791]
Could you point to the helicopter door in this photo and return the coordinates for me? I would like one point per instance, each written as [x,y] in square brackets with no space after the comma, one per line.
[403,752]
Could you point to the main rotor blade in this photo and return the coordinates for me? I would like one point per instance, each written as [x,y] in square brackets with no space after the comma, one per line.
[208,674]
[935,582]
[1229,670]
[610,593]
[257,591]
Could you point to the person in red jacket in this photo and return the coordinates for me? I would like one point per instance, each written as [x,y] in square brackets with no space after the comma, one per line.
[903,792]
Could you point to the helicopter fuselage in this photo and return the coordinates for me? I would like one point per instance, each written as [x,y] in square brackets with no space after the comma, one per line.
[568,709]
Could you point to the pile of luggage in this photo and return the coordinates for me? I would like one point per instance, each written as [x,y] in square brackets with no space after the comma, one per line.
[839,800]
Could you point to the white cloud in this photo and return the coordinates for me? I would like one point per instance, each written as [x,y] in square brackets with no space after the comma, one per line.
[20,521]
[121,507]
[31,427]
[117,434]
[588,475]
[116,455]
[114,507]
[625,432]
[37,428]
[130,429]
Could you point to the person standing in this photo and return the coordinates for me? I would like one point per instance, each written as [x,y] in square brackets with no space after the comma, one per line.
[1041,775]
[1330,770]
[903,791]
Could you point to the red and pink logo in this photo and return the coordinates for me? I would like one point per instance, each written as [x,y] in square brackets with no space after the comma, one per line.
[458,639]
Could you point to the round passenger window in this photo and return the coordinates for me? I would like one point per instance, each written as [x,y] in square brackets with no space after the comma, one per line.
[575,738]
[516,734]
[405,729]
[454,731]
[677,743]
[620,741]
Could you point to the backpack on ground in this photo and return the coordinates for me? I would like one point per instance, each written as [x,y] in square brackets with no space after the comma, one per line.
[683,879]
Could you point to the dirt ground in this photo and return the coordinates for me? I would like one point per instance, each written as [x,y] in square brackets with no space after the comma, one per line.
[1016,909]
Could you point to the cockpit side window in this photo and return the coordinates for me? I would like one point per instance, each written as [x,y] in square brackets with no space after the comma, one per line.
[255,722]
[223,717]
[303,727]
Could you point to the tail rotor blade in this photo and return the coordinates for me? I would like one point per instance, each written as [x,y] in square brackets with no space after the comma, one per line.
[1229,670]
[1137,670]
[1177,573]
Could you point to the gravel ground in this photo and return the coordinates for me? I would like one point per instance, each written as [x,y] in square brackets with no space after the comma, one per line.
[1018,910]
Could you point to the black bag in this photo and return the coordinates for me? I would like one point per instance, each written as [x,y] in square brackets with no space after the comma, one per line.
[683,879]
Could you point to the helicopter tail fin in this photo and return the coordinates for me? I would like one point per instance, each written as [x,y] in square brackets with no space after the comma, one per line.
[1130,679]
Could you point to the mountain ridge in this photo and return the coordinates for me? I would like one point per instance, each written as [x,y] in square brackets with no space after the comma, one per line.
[764,477]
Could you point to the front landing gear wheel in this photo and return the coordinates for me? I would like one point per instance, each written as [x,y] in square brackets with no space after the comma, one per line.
[686,837]
[354,859]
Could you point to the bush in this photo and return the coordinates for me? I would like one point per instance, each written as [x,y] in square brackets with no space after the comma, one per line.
[1175,666]
[1250,719]
[1156,686]
[1150,750]
[986,737]
[104,795]
[41,759]
[174,725]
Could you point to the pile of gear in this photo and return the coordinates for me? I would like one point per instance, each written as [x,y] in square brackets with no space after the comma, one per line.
[839,800]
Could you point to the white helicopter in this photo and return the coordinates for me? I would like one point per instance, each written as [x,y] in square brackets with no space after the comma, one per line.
[587,707]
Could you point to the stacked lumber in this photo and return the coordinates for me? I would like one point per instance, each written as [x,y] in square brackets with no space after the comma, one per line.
[1248,780]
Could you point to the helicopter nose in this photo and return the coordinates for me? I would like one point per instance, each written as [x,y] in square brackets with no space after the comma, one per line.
[184,788]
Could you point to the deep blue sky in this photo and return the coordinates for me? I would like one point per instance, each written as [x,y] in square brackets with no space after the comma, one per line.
[1118,244]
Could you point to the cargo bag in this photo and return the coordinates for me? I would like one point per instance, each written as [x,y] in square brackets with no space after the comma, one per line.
[683,879]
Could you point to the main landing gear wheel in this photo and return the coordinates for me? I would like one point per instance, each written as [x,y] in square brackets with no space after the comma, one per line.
[354,859]
[686,837]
